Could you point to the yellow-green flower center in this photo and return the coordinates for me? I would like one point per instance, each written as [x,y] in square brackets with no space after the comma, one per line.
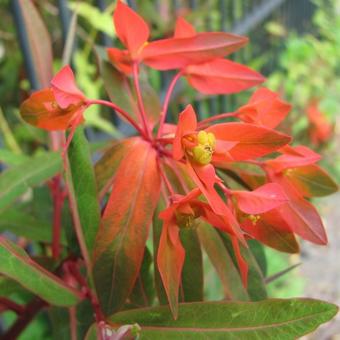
[203,151]
[254,218]
[185,220]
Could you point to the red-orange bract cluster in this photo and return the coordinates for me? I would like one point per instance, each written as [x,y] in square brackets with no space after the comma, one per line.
[180,161]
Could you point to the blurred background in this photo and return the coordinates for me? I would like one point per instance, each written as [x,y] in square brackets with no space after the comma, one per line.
[294,43]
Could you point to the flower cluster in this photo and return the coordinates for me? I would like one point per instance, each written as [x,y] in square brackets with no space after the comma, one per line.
[272,207]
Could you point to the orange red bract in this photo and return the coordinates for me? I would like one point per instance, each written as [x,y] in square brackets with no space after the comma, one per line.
[271,206]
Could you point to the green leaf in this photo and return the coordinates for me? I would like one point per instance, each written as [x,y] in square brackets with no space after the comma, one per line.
[26,225]
[124,228]
[39,41]
[10,158]
[16,264]
[222,262]
[270,319]
[256,284]
[311,181]
[15,181]
[192,273]
[258,252]
[101,21]
[143,292]
[84,187]
[9,287]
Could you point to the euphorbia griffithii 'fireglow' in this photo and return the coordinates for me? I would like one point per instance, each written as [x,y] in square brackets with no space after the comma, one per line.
[188,164]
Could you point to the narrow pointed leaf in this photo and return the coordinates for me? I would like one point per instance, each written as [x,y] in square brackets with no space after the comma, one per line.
[143,292]
[304,220]
[272,230]
[293,157]
[253,141]
[311,181]
[18,266]
[131,28]
[256,285]
[174,53]
[299,214]
[125,225]
[266,197]
[170,260]
[16,180]
[281,273]
[222,76]
[157,225]
[192,273]
[269,319]
[223,264]
[84,185]
[11,158]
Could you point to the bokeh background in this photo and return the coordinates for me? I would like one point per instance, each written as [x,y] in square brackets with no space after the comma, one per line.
[294,43]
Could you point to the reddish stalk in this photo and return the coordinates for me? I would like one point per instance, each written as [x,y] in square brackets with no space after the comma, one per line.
[165,179]
[58,201]
[123,113]
[28,314]
[74,270]
[11,305]
[206,121]
[165,140]
[166,102]
[140,101]
[73,322]
[173,166]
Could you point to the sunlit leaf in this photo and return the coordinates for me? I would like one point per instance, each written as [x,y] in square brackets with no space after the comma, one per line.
[125,225]
[268,319]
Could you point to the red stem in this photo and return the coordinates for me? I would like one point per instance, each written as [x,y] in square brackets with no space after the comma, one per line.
[74,270]
[140,101]
[58,201]
[166,102]
[11,305]
[165,140]
[165,178]
[73,322]
[206,121]
[120,111]
[173,166]
[25,318]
